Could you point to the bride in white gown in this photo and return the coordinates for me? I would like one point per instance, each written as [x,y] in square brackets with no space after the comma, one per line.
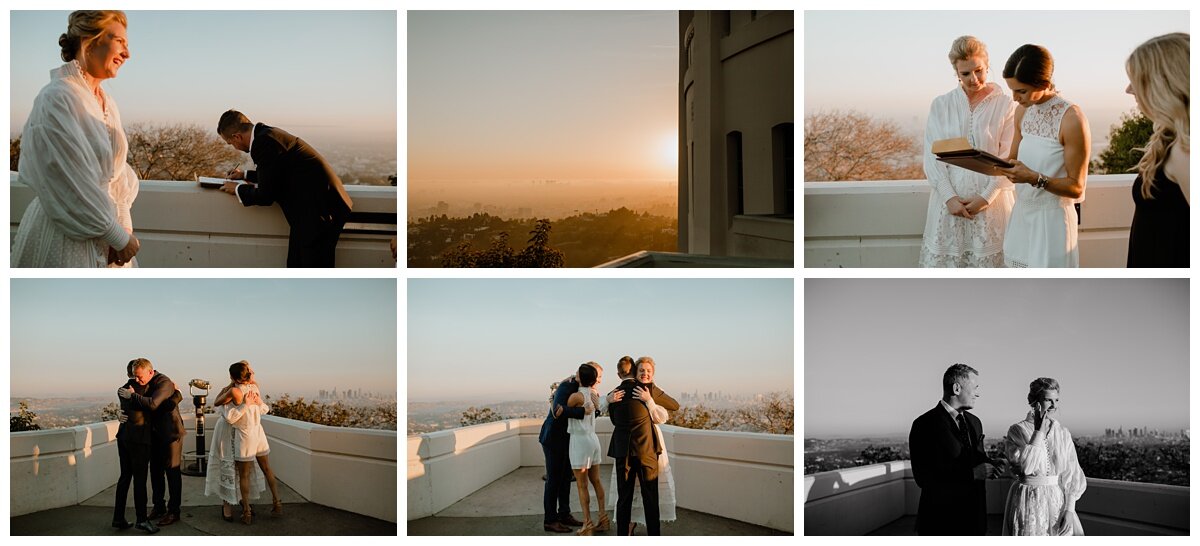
[73,156]
[240,445]
[1049,480]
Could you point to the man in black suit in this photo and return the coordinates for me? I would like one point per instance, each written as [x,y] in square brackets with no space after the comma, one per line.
[948,460]
[292,173]
[133,450]
[556,443]
[635,445]
[161,401]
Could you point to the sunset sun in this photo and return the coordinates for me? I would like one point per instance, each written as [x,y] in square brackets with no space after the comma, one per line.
[669,150]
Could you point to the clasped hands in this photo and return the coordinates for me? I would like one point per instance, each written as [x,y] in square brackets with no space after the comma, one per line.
[124,255]
[966,207]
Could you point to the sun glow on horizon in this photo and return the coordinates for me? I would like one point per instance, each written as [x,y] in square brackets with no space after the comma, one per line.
[669,150]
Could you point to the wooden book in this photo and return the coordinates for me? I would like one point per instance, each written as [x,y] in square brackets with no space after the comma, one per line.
[958,152]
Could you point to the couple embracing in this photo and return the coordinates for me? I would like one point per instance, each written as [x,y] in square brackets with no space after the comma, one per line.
[569,442]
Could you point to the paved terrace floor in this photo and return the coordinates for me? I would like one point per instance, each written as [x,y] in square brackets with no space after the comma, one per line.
[907,526]
[512,506]
[201,515]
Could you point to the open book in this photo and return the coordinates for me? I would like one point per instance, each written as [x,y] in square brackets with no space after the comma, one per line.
[210,182]
[958,152]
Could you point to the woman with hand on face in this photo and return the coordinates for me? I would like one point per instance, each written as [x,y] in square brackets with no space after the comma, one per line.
[1051,146]
[1049,480]
[1159,82]
[968,211]
[73,156]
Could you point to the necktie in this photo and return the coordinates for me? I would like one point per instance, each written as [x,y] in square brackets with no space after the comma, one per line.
[964,434]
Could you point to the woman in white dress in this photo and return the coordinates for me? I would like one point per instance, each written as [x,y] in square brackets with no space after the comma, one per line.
[584,449]
[73,156]
[1051,147]
[1049,480]
[643,371]
[968,211]
[249,440]
[222,476]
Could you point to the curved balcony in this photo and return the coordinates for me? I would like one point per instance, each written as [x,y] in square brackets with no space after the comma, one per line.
[880,223]
[181,224]
[882,499]
[486,479]
[332,479]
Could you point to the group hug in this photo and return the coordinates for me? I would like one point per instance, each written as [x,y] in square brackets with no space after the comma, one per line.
[74,156]
[636,407]
[151,435]
[951,466]
[1028,215]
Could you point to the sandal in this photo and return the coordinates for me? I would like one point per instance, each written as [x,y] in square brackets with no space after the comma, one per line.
[604,524]
[586,530]
[224,516]
[247,516]
[277,508]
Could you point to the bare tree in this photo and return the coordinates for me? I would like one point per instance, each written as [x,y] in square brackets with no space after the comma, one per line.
[853,146]
[178,151]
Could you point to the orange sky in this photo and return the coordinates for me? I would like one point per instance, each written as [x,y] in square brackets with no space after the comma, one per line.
[542,95]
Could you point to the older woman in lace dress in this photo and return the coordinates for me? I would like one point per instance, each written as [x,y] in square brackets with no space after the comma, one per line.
[73,156]
[1049,479]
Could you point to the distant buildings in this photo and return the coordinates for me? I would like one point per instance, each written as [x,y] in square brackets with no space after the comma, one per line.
[736,113]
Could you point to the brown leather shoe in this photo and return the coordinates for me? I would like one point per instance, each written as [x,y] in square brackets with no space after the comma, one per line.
[556,527]
[168,519]
[570,520]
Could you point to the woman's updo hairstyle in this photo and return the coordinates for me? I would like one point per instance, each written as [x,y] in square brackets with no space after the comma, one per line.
[83,27]
[1031,65]
[587,374]
[966,47]
[1039,386]
[239,371]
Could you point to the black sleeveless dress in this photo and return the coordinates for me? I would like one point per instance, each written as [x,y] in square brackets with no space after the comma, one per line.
[1159,234]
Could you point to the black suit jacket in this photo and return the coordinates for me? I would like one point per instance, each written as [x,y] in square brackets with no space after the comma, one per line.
[135,429]
[633,431]
[162,402]
[952,501]
[292,173]
[554,429]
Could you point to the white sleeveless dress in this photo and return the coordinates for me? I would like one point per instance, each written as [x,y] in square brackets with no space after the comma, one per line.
[951,241]
[249,438]
[584,449]
[1043,229]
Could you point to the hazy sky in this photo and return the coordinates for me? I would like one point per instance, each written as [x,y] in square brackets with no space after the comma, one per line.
[875,350]
[895,62]
[318,74]
[73,337]
[492,340]
[545,95]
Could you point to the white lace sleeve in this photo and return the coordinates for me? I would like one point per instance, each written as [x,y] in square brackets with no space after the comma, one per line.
[1006,115]
[59,161]
[1024,450]
[1070,476]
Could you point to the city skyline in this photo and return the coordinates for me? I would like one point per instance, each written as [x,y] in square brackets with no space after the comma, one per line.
[509,339]
[1089,50]
[1118,348]
[190,66]
[569,95]
[73,337]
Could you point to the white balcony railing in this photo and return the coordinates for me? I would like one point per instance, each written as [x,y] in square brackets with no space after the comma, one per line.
[880,223]
[344,468]
[856,501]
[739,475]
[183,225]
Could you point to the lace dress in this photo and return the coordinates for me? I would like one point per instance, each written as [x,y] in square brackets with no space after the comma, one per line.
[666,481]
[951,241]
[584,449]
[73,156]
[1049,481]
[222,477]
[1043,229]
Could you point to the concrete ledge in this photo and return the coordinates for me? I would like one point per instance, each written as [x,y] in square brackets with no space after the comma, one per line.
[183,225]
[856,501]
[880,223]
